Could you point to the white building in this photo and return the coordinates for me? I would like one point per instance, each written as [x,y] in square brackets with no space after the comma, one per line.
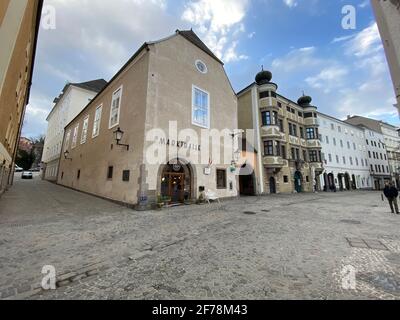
[389,139]
[345,155]
[378,159]
[72,100]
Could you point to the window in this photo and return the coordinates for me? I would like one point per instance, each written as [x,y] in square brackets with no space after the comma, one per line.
[285,179]
[85,130]
[351,160]
[125,175]
[110,172]
[332,126]
[354,146]
[305,155]
[348,145]
[330,157]
[96,123]
[334,141]
[311,134]
[341,143]
[344,160]
[115,108]
[292,129]
[313,155]
[281,127]
[264,94]
[269,148]
[67,138]
[221,179]
[302,132]
[78,176]
[369,154]
[75,137]
[201,108]
[201,66]
[284,155]
[327,140]
[337,159]
[266,118]
[339,128]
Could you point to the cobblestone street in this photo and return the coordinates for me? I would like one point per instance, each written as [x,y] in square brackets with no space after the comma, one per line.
[278,247]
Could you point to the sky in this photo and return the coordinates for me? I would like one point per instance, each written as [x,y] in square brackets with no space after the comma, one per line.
[302,42]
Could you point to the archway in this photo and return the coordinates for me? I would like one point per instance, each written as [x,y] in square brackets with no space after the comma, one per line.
[247,181]
[272,185]
[176,181]
[347,181]
[331,182]
[298,180]
[340,178]
[354,183]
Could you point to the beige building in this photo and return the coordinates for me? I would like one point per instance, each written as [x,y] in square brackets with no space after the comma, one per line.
[286,138]
[170,93]
[19,25]
[73,98]
[387,13]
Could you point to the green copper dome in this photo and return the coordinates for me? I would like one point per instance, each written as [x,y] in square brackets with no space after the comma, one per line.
[263,77]
[304,101]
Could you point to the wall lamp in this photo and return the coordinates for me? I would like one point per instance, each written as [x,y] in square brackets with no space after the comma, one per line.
[118,134]
[66,154]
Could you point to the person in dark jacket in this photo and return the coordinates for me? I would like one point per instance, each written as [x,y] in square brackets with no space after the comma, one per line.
[391,193]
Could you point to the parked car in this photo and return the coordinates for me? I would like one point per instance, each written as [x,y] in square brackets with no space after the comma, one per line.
[27,175]
[35,170]
[18,169]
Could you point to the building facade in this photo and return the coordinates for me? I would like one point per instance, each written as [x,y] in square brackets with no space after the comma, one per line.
[285,136]
[19,21]
[388,139]
[387,13]
[73,98]
[378,159]
[345,154]
[170,93]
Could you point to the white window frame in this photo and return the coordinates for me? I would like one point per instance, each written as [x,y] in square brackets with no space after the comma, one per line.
[75,137]
[67,140]
[205,66]
[208,106]
[120,89]
[84,133]
[96,134]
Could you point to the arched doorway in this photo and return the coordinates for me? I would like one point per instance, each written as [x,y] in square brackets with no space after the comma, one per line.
[354,182]
[176,182]
[246,181]
[347,181]
[298,180]
[340,178]
[331,182]
[272,185]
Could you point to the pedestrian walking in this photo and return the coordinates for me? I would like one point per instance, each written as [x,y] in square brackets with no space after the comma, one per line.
[391,193]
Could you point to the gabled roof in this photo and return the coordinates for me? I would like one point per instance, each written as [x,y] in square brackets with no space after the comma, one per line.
[369,123]
[193,38]
[94,85]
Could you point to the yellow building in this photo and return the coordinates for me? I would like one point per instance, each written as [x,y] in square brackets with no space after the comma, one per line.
[286,138]
[19,21]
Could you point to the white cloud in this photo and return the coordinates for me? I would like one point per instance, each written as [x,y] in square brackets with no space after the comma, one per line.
[296,60]
[366,42]
[219,23]
[290,3]
[328,78]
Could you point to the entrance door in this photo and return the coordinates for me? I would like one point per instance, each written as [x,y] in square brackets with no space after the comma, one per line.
[173,183]
[298,182]
[272,185]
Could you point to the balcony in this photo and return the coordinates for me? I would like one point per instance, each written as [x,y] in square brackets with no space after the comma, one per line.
[311,122]
[274,162]
[314,143]
[271,132]
[318,166]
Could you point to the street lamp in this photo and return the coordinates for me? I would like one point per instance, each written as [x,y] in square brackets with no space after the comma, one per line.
[118,134]
[66,154]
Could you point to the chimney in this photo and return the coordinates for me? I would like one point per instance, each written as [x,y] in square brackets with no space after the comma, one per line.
[348,117]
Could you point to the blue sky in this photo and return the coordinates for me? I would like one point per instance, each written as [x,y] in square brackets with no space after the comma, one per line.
[301,41]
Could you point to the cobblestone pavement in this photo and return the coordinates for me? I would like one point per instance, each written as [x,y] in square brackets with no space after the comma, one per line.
[275,247]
